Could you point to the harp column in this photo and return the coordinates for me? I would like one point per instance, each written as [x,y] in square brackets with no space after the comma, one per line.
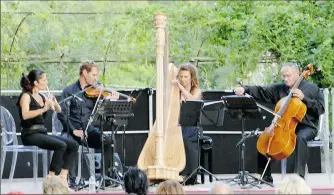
[160,21]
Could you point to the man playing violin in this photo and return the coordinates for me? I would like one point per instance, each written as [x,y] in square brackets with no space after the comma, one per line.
[306,130]
[80,110]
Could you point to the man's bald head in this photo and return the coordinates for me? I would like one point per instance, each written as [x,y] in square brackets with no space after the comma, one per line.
[221,189]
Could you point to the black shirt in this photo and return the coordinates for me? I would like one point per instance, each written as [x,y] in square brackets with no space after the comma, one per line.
[313,99]
[38,120]
[80,111]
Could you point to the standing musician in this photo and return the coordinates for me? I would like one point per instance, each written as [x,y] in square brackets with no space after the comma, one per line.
[32,108]
[189,88]
[306,130]
[81,109]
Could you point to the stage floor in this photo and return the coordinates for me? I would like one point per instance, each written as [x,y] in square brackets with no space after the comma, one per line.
[319,183]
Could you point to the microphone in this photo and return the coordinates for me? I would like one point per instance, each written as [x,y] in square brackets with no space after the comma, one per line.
[253,133]
[239,81]
[256,132]
[78,98]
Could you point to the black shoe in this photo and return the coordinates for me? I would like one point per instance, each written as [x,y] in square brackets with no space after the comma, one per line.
[71,183]
[267,178]
[191,181]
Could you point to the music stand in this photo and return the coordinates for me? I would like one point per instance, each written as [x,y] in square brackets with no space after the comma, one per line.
[213,113]
[190,115]
[242,108]
[116,113]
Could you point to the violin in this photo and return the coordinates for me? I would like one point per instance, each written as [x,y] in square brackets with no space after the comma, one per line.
[278,141]
[94,92]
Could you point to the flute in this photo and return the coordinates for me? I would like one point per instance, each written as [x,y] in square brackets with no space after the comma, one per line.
[49,95]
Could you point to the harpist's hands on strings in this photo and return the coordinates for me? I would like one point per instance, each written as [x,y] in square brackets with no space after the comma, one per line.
[176,82]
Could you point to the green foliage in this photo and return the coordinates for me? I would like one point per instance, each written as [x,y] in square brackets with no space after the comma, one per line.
[122,36]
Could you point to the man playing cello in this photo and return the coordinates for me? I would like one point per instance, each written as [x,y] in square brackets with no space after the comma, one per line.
[306,130]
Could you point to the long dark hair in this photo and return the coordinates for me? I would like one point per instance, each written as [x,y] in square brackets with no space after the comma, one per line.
[27,81]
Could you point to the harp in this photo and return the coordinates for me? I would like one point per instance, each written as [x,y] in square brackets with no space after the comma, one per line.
[163,155]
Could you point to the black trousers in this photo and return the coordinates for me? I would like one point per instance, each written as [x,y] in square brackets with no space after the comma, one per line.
[299,156]
[94,141]
[191,150]
[65,150]
[191,147]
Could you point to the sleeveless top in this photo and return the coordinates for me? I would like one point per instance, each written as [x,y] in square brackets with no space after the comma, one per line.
[38,120]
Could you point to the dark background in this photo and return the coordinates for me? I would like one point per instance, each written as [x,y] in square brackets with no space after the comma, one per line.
[225,137]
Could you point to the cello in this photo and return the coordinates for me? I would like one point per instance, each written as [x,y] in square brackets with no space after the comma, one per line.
[278,141]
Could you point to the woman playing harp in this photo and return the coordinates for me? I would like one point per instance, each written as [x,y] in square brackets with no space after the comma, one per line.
[187,83]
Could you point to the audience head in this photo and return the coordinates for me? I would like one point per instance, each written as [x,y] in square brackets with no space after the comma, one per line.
[170,187]
[35,78]
[221,189]
[135,181]
[293,184]
[54,185]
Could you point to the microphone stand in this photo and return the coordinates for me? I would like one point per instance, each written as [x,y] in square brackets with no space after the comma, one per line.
[251,134]
[92,115]
[79,183]
[85,132]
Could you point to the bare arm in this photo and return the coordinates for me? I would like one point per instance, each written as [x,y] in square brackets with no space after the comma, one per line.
[26,112]
[57,106]
[188,96]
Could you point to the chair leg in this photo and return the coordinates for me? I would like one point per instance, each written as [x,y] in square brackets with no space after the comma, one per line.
[202,164]
[3,160]
[283,167]
[91,162]
[35,164]
[79,163]
[210,164]
[12,170]
[306,171]
[45,163]
[328,161]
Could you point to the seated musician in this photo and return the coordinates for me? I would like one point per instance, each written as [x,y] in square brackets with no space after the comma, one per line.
[80,112]
[306,130]
[32,108]
[189,88]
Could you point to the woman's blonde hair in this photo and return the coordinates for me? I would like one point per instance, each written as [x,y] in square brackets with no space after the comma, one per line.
[169,187]
[293,184]
[54,185]
[193,73]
